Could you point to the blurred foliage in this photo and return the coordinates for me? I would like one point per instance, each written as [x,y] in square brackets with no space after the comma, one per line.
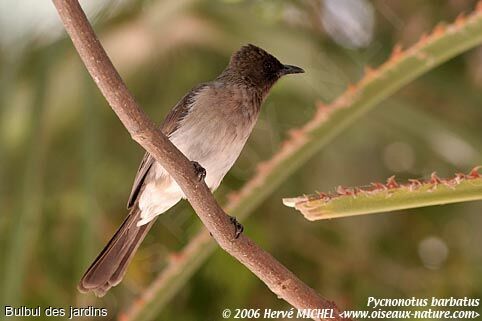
[67,164]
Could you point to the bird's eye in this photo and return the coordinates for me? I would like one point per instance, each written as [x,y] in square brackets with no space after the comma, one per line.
[268,66]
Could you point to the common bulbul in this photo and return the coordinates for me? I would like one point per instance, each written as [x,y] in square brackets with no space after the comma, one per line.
[210,126]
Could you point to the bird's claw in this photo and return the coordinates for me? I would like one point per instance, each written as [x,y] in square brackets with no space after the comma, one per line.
[238,228]
[200,171]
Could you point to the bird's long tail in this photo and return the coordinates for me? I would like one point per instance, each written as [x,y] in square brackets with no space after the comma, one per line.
[109,267]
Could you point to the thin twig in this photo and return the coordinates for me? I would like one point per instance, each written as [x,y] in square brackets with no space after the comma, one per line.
[278,278]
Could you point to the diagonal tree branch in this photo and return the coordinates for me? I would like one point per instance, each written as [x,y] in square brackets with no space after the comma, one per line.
[278,278]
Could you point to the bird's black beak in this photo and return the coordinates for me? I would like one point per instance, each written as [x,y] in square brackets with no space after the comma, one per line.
[289,69]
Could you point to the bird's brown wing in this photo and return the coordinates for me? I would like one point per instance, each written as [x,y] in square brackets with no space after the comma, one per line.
[109,267]
[169,126]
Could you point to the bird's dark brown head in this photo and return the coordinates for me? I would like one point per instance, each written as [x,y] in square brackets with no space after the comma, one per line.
[257,67]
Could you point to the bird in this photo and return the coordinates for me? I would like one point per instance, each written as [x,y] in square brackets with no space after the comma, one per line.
[210,126]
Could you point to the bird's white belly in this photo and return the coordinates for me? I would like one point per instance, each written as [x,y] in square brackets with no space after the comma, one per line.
[213,146]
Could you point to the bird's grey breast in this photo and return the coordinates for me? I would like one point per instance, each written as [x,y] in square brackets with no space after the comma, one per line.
[216,128]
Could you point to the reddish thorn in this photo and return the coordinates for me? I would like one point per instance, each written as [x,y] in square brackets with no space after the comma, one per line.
[323,196]
[296,133]
[460,20]
[474,173]
[439,30]
[392,183]
[262,167]
[423,39]
[414,184]
[233,197]
[449,183]
[313,197]
[368,72]
[176,257]
[322,106]
[459,177]
[345,191]
[379,186]
[351,88]
[342,190]
[434,179]
[396,52]
[357,191]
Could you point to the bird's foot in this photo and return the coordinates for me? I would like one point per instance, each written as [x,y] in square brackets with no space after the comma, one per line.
[200,171]
[238,228]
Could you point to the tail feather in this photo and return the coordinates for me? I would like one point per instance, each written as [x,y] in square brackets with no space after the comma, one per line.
[109,267]
[126,260]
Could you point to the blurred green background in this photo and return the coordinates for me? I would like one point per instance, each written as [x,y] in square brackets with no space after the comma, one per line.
[67,163]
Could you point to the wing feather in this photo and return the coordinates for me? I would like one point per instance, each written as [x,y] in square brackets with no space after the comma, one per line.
[168,127]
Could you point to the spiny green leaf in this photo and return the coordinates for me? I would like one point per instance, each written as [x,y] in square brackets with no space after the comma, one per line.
[390,196]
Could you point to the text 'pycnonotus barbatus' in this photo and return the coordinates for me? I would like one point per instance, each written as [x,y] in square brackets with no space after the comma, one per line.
[210,125]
